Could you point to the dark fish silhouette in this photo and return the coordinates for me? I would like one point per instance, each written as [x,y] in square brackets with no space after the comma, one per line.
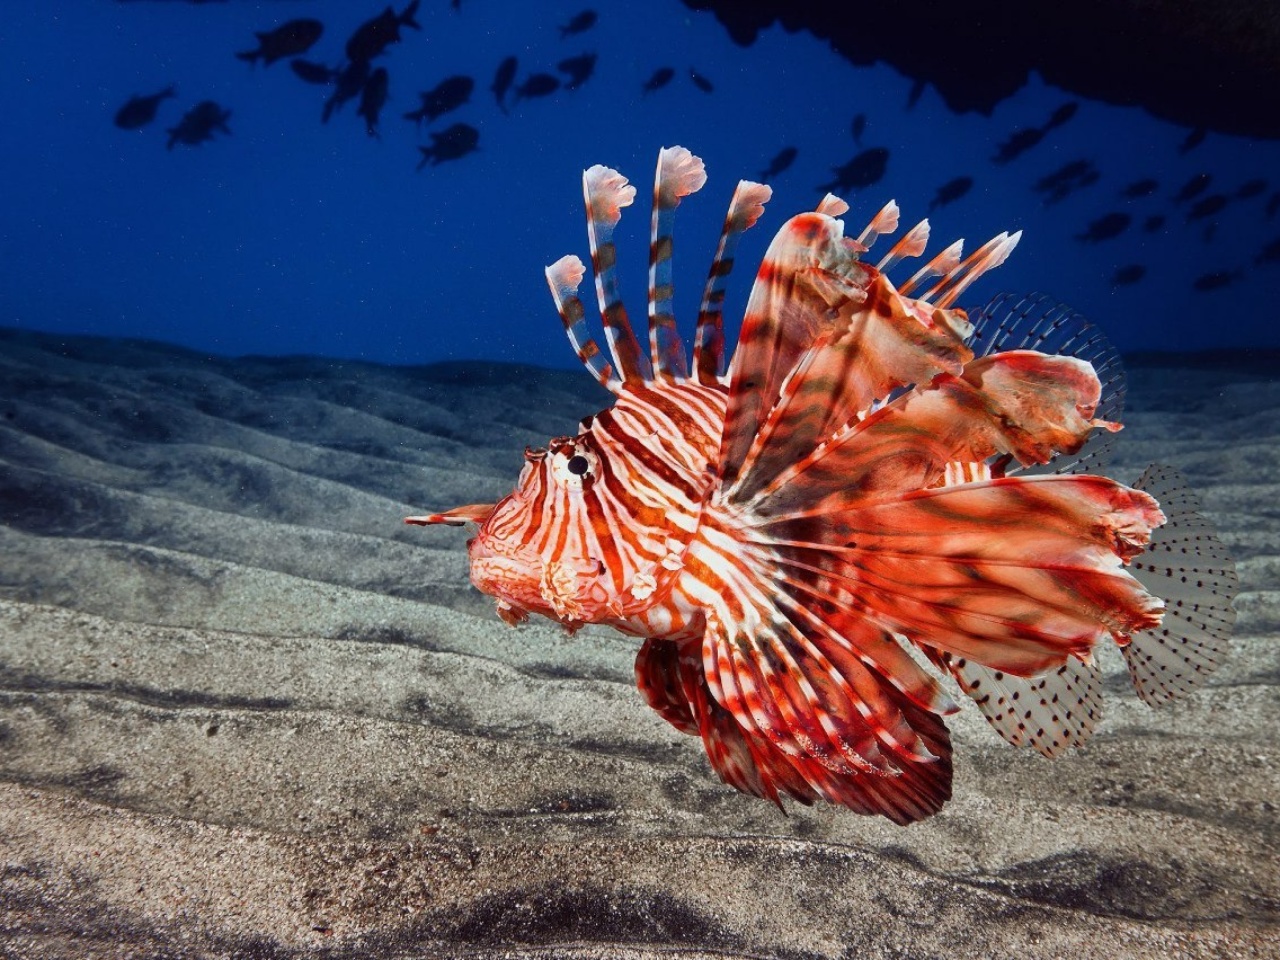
[287,40]
[1061,116]
[701,82]
[1018,143]
[139,111]
[916,92]
[451,143]
[1251,188]
[1153,222]
[537,85]
[950,192]
[660,78]
[1270,253]
[348,85]
[373,97]
[858,127]
[1104,228]
[1140,188]
[1193,188]
[581,23]
[1273,204]
[1193,140]
[1066,180]
[198,124]
[578,69]
[502,79]
[448,94]
[316,73]
[1206,207]
[1215,281]
[786,156]
[1128,274]
[374,36]
[862,171]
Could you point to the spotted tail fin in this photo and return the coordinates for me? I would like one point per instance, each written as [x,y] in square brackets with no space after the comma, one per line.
[1188,567]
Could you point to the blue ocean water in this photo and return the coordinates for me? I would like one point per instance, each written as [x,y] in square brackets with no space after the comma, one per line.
[288,235]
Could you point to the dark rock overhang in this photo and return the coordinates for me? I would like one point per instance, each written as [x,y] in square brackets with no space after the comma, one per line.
[1214,65]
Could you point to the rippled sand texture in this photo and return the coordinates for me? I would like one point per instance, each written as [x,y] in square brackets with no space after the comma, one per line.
[245,712]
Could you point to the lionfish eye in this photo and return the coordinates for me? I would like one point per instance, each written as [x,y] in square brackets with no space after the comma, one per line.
[578,465]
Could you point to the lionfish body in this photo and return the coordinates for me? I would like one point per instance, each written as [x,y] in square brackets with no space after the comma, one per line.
[853,490]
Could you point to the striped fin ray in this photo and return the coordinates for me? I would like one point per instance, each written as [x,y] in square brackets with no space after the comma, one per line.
[875,341]
[811,705]
[884,222]
[564,277]
[911,244]
[1037,322]
[832,206]
[940,265]
[606,192]
[679,174]
[1188,567]
[987,257]
[745,209]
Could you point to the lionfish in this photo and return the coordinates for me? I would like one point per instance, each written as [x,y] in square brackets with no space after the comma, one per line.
[874,485]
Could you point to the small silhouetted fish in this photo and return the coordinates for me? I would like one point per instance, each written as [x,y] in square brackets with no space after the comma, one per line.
[579,24]
[1018,143]
[1061,115]
[1215,281]
[660,78]
[139,111]
[916,92]
[451,143]
[349,83]
[578,69]
[1206,207]
[1128,274]
[1070,172]
[1104,228]
[538,85]
[701,82]
[1193,140]
[1070,177]
[1270,253]
[373,97]
[862,171]
[502,80]
[1273,204]
[1140,188]
[448,94]
[858,127]
[198,123]
[1193,187]
[1251,188]
[374,36]
[316,73]
[287,40]
[950,192]
[1153,222]
[786,156]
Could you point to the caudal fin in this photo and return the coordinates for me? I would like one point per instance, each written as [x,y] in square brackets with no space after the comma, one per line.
[1190,569]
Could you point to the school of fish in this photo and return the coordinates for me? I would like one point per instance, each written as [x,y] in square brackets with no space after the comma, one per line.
[874,486]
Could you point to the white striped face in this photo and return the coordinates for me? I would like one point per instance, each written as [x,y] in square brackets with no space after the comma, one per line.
[598,525]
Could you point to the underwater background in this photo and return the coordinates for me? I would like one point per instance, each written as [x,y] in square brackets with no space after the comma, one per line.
[246,712]
[283,234]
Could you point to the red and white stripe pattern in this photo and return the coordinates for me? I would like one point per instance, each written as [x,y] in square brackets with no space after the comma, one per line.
[796,536]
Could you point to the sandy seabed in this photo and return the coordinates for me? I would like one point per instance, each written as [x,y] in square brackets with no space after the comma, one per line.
[245,712]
